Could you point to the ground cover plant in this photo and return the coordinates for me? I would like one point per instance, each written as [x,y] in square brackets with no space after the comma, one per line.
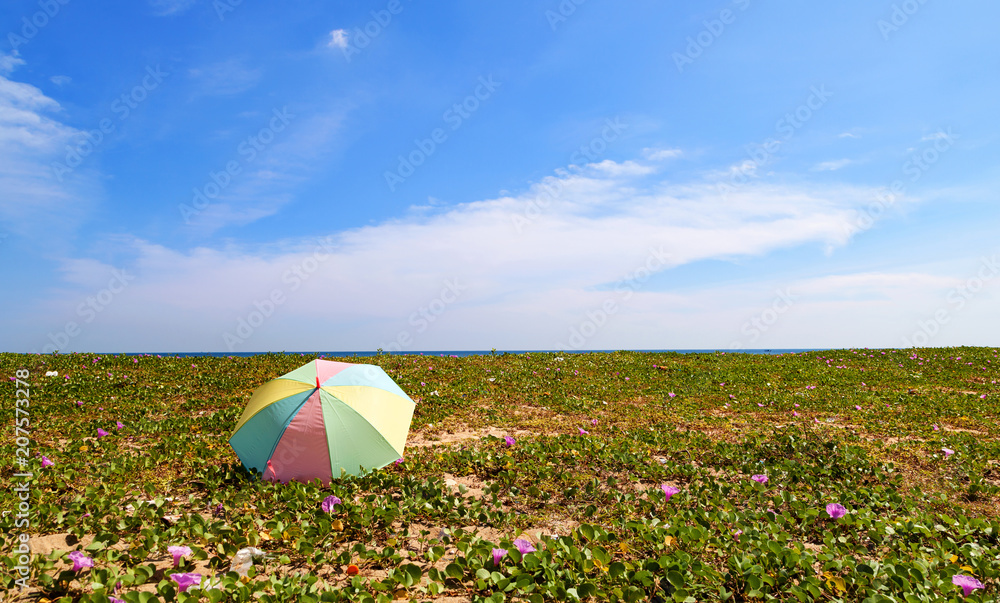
[847,475]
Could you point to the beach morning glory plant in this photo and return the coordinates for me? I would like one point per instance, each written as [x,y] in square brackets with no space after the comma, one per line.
[966,583]
[836,510]
[185,581]
[80,560]
[330,503]
[178,552]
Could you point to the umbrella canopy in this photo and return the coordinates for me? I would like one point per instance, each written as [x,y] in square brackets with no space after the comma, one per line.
[323,420]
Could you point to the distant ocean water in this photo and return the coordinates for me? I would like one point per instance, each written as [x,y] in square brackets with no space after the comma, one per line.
[463,353]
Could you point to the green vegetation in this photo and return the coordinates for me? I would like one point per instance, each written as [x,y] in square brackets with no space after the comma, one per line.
[866,429]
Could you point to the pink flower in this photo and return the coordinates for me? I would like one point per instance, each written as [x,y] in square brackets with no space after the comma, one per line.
[79,402]
[966,583]
[671,394]
[178,552]
[736,534]
[668,491]
[330,503]
[795,414]
[856,407]
[523,546]
[593,421]
[80,560]
[185,581]
[836,510]
[508,441]
[761,479]
[947,452]
[119,424]
[46,462]
[935,427]
[583,431]
[498,555]
[399,461]
[101,433]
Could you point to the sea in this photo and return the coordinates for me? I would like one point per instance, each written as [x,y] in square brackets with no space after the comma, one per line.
[464,353]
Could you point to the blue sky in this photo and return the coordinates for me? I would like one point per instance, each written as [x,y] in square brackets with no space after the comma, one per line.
[185,175]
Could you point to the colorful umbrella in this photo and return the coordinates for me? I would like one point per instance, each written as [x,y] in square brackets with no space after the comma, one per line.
[323,420]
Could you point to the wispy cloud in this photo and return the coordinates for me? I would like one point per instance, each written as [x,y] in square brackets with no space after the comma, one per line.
[31,139]
[225,78]
[606,220]
[338,39]
[60,80]
[661,154]
[167,8]
[831,166]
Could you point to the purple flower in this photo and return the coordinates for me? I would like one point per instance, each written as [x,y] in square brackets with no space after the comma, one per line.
[593,421]
[508,441]
[966,583]
[185,581]
[116,600]
[671,394]
[498,555]
[759,478]
[46,462]
[79,402]
[119,424]
[219,510]
[399,461]
[836,510]
[583,431]
[101,433]
[330,503]
[80,560]
[947,452]
[178,552]
[668,491]
[736,534]
[523,546]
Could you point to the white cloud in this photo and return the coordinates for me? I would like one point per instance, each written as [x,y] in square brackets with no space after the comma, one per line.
[166,8]
[9,62]
[32,200]
[60,80]
[525,283]
[338,39]
[661,154]
[847,135]
[624,168]
[830,166]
